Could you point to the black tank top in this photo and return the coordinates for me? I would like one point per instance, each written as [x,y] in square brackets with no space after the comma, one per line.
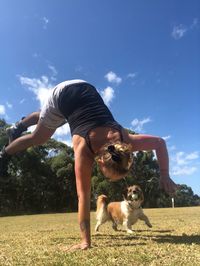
[85,110]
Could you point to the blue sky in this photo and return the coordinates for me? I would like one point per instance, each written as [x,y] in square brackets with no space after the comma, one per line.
[142,56]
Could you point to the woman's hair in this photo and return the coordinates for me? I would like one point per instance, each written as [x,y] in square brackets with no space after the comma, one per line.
[117,156]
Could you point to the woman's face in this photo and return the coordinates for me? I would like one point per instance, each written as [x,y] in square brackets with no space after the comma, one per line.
[107,172]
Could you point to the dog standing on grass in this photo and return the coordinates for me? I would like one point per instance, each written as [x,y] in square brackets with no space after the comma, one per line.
[125,212]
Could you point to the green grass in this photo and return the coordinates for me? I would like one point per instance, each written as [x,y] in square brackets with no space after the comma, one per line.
[38,240]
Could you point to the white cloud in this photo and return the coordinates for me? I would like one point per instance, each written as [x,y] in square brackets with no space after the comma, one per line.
[54,71]
[68,142]
[194,23]
[2,109]
[9,105]
[179,31]
[113,78]
[138,124]
[172,148]
[40,87]
[177,171]
[108,95]
[184,164]
[78,68]
[63,130]
[192,156]
[132,75]
[22,101]
[167,137]
[181,158]
[35,55]
[45,22]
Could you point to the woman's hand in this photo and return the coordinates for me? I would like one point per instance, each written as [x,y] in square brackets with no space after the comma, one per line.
[81,246]
[168,185]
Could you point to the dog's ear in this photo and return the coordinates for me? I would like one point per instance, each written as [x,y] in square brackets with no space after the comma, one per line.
[125,192]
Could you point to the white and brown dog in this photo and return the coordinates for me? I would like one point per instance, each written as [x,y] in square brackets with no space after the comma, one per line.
[125,212]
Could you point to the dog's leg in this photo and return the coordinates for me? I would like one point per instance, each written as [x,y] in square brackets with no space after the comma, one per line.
[127,226]
[144,218]
[114,226]
[97,226]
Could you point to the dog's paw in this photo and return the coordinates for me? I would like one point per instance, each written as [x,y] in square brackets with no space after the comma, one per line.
[150,225]
[129,231]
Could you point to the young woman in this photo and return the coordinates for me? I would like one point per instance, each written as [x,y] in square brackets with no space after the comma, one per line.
[95,136]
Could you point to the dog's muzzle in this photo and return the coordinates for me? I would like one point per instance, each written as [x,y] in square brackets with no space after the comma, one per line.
[134,195]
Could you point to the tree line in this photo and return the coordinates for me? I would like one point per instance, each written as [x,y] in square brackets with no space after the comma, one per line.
[42,179]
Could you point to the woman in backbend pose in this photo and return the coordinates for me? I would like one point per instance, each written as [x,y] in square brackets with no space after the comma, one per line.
[95,136]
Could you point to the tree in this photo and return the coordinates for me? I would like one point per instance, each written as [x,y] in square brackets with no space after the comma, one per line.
[42,179]
[39,179]
[185,197]
[3,136]
[62,166]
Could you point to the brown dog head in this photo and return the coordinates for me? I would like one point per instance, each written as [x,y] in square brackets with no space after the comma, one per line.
[134,194]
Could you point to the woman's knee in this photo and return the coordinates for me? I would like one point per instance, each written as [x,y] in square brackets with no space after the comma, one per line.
[41,134]
[37,139]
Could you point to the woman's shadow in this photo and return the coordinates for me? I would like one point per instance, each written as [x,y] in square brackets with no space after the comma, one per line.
[159,236]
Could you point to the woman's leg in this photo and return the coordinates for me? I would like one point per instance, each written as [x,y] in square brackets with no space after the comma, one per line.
[31,119]
[15,131]
[39,136]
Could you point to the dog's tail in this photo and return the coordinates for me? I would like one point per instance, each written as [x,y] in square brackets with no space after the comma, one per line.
[101,211]
[101,201]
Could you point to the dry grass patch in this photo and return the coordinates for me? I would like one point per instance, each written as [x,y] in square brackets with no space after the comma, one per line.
[38,239]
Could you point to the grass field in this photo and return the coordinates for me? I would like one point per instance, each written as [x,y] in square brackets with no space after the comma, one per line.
[38,240]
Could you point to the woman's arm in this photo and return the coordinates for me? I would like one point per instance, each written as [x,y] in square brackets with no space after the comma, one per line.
[83,171]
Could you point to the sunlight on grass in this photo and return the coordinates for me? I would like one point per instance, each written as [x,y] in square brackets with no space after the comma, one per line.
[38,239]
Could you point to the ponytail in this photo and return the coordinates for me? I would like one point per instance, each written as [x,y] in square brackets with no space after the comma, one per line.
[118,157]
